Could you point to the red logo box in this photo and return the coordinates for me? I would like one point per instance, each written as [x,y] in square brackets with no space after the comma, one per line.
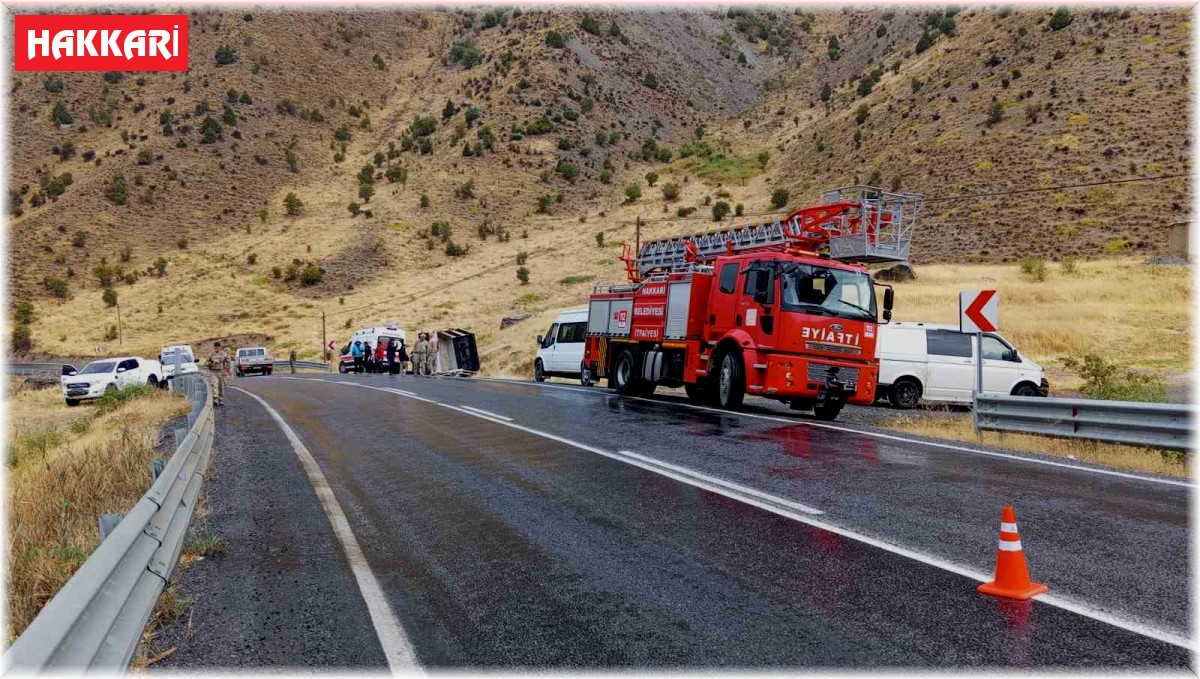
[101,42]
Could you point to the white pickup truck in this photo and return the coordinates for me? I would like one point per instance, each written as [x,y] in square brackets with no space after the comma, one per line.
[110,374]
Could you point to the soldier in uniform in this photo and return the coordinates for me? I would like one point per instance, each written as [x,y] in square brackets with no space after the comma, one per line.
[431,352]
[418,354]
[219,364]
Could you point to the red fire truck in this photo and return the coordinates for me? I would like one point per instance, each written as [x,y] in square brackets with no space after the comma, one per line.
[785,310]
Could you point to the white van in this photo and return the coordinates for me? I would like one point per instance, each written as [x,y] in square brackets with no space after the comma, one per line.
[932,362]
[373,335]
[181,352]
[560,351]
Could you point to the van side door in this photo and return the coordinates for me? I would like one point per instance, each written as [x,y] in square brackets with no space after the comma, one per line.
[951,366]
[547,351]
[1001,369]
[569,348]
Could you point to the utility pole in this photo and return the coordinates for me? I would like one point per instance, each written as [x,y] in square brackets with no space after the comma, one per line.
[637,236]
[119,323]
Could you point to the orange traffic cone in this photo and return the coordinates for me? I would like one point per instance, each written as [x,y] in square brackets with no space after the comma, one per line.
[1012,573]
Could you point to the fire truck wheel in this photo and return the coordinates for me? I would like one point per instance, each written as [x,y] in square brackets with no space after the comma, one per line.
[585,375]
[539,371]
[906,394]
[624,375]
[731,382]
[828,413]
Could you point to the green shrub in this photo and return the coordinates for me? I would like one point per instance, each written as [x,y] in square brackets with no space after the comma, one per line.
[1110,382]
[573,280]
[22,339]
[292,204]
[225,55]
[1069,266]
[523,275]
[113,399]
[650,81]
[1033,267]
[861,115]
[57,287]
[311,275]
[1060,20]
[160,266]
[780,198]
[117,191]
[632,193]
[109,296]
[599,239]
[670,191]
[555,39]
[60,115]
[23,313]
[925,42]
[651,177]
[720,211]
[455,250]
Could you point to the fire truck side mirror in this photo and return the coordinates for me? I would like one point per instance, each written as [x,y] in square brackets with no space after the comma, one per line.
[889,297]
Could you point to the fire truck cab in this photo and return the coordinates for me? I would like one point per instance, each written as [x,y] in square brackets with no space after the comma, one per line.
[766,310]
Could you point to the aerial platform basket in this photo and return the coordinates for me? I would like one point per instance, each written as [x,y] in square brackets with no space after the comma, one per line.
[879,229]
[863,224]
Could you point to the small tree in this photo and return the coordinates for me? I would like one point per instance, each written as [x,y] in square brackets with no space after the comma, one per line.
[448,110]
[556,40]
[354,208]
[779,198]
[80,238]
[924,42]
[861,115]
[632,193]
[1060,20]
[311,275]
[225,55]
[651,177]
[720,210]
[599,239]
[117,191]
[523,275]
[22,339]
[60,115]
[57,287]
[109,296]
[826,92]
[670,191]
[160,266]
[650,81]
[127,253]
[262,215]
[365,191]
[292,204]
[995,113]
[23,313]
[522,257]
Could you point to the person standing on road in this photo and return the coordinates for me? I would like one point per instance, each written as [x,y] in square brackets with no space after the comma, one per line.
[356,352]
[401,357]
[292,361]
[390,354]
[369,357]
[219,364]
[418,354]
[431,352]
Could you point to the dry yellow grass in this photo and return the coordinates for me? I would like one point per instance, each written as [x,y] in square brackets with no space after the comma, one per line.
[1123,457]
[61,480]
[1130,313]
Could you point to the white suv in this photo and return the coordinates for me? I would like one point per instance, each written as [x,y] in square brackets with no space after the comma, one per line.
[110,374]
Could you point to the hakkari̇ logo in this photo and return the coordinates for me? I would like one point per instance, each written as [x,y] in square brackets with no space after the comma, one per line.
[101,42]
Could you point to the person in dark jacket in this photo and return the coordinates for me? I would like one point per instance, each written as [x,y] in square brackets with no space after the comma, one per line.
[402,357]
[368,358]
[391,357]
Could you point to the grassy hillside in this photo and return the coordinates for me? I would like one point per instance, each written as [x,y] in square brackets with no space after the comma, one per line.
[468,141]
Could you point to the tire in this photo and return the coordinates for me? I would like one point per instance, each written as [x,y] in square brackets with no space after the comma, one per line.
[731,381]
[1025,389]
[152,382]
[72,402]
[906,393]
[585,375]
[697,394]
[110,389]
[341,367]
[624,378]
[539,371]
[268,371]
[240,374]
[827,413]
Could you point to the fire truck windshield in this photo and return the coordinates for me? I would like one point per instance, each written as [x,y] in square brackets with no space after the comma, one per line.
[829,292]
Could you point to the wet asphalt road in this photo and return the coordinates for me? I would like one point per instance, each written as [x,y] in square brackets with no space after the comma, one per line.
[498,542]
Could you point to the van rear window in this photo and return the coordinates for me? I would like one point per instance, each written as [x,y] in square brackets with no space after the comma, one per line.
[949,343]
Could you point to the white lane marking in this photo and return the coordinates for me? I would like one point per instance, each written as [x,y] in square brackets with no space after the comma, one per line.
[861,432]
[396,647]
[481,411]
[1065,603]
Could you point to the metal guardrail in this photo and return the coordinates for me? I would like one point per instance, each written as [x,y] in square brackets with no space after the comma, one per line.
[95,622]
[316,365]
[1155,425]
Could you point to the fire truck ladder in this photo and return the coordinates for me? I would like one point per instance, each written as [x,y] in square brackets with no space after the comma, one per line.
[858,223]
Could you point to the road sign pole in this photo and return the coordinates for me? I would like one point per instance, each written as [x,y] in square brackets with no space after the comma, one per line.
[325,344]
